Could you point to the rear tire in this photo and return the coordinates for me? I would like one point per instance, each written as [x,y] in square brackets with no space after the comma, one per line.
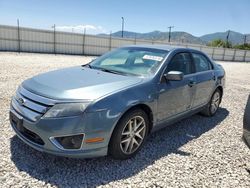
[129,134]
[213,105]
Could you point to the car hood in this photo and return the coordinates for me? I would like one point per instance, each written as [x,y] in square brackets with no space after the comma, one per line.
[78,83]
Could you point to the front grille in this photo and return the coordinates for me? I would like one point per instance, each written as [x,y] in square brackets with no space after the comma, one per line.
[30,105]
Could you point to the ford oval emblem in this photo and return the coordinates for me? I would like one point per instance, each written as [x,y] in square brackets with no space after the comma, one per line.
[21,101]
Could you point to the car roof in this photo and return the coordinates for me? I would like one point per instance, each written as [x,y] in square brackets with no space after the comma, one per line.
[162,47]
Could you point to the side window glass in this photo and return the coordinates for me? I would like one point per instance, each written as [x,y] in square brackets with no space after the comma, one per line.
[180,62]
[201,63]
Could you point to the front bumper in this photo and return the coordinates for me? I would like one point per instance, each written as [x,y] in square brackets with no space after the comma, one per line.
[45,129]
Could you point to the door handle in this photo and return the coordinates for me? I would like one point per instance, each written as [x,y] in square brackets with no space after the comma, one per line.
[191,83]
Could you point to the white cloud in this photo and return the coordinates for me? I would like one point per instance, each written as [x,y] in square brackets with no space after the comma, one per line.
[90,29]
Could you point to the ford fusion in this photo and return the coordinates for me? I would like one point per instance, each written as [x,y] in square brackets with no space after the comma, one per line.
[112,104]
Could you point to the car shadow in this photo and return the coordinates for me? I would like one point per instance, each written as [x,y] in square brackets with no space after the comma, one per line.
[66,172]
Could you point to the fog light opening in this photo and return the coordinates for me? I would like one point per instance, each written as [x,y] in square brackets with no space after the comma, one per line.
[70,142]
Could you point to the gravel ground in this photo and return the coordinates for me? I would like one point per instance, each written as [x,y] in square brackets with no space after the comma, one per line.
[196,152]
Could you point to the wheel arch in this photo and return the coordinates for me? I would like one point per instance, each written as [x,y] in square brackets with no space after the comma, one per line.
[146,109]
[141,106]
[220,88]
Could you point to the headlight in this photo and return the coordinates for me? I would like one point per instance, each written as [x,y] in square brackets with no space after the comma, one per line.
[65,110]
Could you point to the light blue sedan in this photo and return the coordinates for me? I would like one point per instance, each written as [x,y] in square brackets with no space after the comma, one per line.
[112,104]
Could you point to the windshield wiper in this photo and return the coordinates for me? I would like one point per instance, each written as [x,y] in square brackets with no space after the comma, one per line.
[118,72]
[111,71]
[87,65]
[102,69]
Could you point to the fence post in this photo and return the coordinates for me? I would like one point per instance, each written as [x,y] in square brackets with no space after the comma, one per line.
[110,40]
[135,39]
[18,36]
[83,41]
[213,53]
[234,55]
[224,53]
[245,55]
[54,38]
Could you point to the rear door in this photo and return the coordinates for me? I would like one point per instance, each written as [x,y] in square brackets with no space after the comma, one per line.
[175,97]
[205,79]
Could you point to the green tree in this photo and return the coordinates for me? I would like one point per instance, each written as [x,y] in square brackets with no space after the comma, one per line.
[242,46]
[220,43]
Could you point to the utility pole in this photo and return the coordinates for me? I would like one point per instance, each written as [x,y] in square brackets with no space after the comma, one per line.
[228,35]
[169,33]
[245,39]
[122,26]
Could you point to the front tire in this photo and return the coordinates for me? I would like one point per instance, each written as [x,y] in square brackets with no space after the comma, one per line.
[213,104]
[129,134]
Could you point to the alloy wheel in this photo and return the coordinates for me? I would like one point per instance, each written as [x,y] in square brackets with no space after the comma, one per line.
[133,134]
[215,102]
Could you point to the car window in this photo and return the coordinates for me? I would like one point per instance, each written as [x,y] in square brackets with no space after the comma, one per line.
[180,62]
[201,63]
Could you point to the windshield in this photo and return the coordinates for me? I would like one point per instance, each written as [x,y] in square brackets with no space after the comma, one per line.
[131,61]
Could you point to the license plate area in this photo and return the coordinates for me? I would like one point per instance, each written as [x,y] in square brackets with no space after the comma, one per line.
[17,122]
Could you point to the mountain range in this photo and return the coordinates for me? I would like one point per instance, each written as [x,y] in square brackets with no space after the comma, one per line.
[179,36]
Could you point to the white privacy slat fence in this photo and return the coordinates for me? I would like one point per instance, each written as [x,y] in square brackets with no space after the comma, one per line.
[45,41]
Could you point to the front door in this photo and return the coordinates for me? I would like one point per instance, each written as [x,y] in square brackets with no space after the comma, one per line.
[175,97]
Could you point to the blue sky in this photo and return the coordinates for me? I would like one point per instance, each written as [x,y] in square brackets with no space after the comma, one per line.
[197,17]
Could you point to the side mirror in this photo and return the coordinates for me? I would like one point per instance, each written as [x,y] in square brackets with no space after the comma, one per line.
[174,76]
